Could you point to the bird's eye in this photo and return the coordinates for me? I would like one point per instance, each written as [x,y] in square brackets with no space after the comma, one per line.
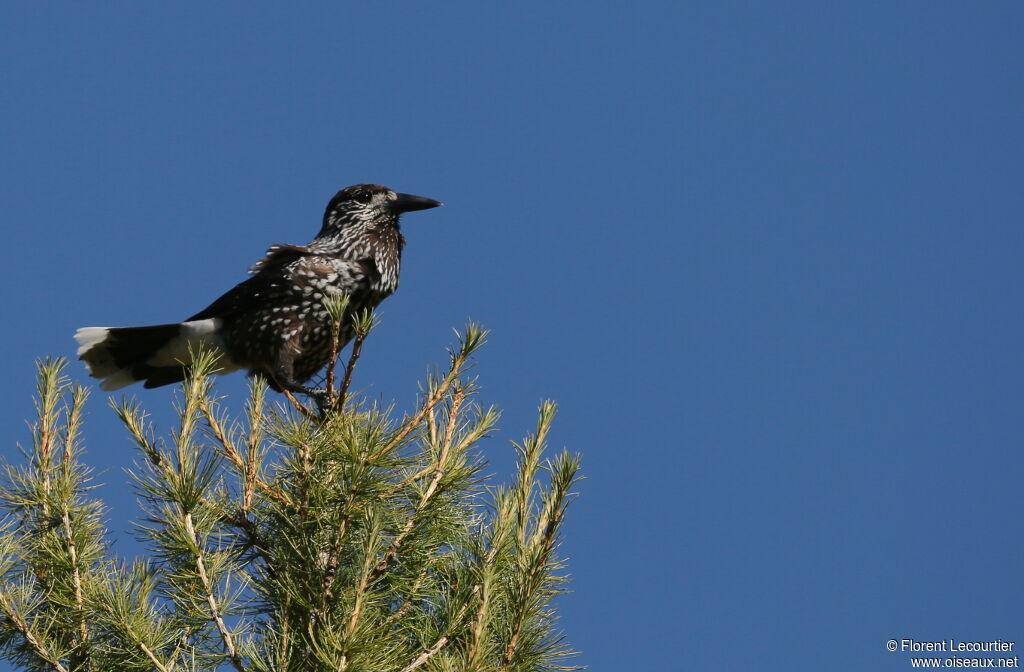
[363,196]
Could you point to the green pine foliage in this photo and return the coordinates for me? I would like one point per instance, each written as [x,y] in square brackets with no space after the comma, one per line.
[291,538]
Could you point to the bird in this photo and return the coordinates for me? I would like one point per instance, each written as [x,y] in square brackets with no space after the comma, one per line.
[275,323]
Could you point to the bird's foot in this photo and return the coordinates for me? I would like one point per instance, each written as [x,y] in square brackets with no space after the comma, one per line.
[320,395]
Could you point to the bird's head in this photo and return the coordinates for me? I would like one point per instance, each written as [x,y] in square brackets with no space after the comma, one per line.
[367,207]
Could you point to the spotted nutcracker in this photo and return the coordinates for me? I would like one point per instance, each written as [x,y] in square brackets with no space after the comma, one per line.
[274,324]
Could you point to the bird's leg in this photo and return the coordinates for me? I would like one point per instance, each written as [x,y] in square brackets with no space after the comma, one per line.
[285,380]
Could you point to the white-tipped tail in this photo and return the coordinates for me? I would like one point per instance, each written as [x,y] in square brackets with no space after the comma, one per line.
[193,336]
[117,380]
[90,336]
[158,354]
[91,351]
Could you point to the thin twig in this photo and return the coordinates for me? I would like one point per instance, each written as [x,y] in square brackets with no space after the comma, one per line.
[423,657]
[551,520]
[364,580]
[225,634]
[331,570]
[284,642]
[432,439]
[251,533]
[81,659]
[47,420]
[428,405]
[402,610]
[439,470]
[152,657]
[22,627]
[299,406]
[332,362]
[178,648]
[231,452]
[73,424]
[484,587]
[357,347]
[449,436]
[467,440]
[253,442]
[131,422]
[83,630]
[481,615]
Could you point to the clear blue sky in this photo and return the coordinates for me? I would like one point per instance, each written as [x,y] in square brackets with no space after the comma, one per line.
[766,257]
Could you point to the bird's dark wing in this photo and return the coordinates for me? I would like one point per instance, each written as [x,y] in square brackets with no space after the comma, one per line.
[242,297]
[252,293]
[272,286]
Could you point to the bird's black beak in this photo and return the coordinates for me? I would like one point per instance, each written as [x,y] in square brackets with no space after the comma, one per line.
[408,203]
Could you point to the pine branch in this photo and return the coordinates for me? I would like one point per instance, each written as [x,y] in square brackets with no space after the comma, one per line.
[335,541]
[49,388]
[487,570]
[357,348]
[228,448]
[82,650]
[331,571]
[468,344]
[306,411]
[26,632]
[152,657]
[336,307]
[458,396]
[369,553]
[81,659]
[179,648]
[425,656]
[215,613]
[254,441]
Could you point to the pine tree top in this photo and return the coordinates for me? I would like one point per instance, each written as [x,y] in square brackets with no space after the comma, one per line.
[290,538]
